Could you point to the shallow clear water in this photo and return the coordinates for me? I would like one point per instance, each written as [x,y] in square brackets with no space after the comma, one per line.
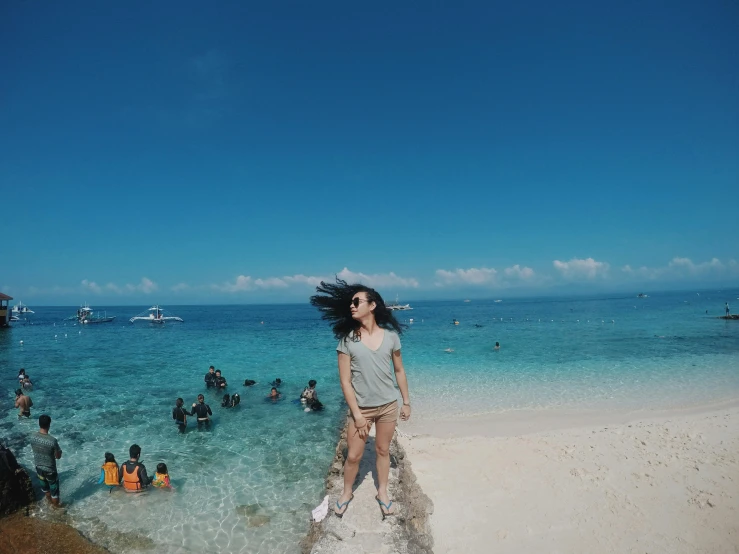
[111,385]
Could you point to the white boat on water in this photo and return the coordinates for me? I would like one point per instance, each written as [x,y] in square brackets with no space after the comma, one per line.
[19,309]
[396,306]
[85,315]
[155,314]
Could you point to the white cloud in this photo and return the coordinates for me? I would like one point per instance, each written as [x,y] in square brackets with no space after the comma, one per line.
[683,269]
[472,276]
[91,286]
[180,287]
[578,269]
[146,286]
[484,276]
[244,283]
[518,272]
[377,279]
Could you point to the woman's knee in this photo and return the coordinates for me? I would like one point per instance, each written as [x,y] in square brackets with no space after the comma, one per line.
[382,449]
[354,457]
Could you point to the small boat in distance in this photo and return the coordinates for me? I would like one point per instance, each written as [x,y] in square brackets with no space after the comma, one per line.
[395,306]
[85,315]
[155,314]
[19,309]
[497,301]
[642,295]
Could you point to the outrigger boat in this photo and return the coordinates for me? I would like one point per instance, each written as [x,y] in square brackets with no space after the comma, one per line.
[396,306]
[155,314]
[19,308]
[86,315]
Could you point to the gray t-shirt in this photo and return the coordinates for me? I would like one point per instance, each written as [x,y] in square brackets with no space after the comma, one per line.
[372,370]
[44,448]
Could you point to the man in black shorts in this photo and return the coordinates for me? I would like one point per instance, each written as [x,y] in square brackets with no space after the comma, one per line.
[46,452]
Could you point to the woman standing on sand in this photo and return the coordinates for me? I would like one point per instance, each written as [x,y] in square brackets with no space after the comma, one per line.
[369,346]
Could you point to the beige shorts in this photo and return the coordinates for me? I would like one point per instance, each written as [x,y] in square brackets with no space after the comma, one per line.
[387,413]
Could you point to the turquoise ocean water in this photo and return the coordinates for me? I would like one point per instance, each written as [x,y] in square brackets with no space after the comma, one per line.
[248,483]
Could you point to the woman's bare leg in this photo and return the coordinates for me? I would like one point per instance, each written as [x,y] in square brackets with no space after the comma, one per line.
[351,465]
[383,436]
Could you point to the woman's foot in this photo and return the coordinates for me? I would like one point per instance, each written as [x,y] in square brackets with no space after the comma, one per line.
[386,506]
[342,504]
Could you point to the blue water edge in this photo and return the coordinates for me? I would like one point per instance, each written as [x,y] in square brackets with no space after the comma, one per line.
[248,483]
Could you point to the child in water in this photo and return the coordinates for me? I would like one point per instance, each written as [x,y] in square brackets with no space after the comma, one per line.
[161,478]
[109,472]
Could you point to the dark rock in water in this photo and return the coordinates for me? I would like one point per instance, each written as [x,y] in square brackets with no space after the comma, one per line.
[16,490]
[249,383]
[732,316]
[253,519]
[248,510]
[257,520]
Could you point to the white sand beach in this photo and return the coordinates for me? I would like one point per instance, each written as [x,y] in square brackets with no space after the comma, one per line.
[649,483]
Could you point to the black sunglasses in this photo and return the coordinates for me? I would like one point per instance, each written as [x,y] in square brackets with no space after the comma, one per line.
[357,301]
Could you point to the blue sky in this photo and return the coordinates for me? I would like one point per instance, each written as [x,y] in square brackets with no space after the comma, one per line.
[238,152]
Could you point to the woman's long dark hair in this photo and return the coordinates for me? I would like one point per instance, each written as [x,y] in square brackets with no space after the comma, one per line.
[333,300]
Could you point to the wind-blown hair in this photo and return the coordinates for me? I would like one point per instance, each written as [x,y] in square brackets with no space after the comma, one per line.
[333,301]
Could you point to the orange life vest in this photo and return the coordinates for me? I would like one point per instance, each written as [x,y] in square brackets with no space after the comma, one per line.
[112,479]
[131,480]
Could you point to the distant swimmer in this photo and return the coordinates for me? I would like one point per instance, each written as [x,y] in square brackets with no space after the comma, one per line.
[497,346]
[455,322]
[450,350]
[210,377]
[249,382]
[274,394]
[231,401]
[201,410]
[23,403]
[219,381]
[309,392]
[179,414]
[478,325]
[276,383]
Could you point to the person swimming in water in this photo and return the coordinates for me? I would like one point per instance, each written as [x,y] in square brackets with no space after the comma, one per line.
[23,403]
[179,414]
[309,391]
[219,381]
[497,346]
[161,478]
[210,377]
[201,410]
[277,383]
[274,394]
[231,401]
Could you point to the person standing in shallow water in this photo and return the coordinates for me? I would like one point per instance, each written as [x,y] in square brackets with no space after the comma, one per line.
[46,452]
[368,356]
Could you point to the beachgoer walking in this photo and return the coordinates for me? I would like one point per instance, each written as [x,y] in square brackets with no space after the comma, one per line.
[23,403]
[133,474]
[46,452]
[728,312]
[368,355]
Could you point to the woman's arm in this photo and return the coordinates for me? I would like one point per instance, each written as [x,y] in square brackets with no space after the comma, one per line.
[345,376]
[400,377]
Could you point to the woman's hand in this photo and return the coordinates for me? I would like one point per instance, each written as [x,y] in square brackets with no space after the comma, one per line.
[405,412]
[362,426]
